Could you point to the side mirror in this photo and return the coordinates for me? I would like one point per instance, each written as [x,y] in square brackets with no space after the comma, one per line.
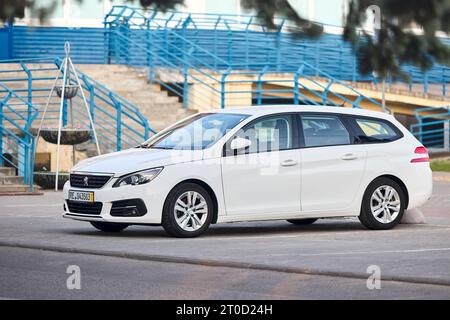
[240,144]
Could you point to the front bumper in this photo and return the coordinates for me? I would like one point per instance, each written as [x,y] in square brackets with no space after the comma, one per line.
[151,194]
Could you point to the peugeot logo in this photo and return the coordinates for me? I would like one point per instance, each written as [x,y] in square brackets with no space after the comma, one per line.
[86,181]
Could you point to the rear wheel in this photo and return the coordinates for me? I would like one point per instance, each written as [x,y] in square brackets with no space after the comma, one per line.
[109,226]
[188,211]
[383,205]
[302,221]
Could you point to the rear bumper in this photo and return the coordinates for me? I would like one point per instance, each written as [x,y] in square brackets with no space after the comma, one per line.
[420,185]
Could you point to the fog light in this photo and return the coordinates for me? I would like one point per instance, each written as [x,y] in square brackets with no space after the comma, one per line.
[128,208]
[131,212]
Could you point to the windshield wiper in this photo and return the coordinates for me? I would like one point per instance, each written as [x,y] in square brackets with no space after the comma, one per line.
[160,147]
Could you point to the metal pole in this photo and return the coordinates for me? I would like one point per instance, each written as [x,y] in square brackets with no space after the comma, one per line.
[377,27]
[447,135]
[60,122]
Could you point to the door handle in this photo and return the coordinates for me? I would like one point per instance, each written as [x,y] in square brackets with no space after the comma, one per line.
[288,163]
[349,156]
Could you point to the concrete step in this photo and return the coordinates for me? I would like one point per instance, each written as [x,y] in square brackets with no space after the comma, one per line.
[14,188]
[7,171]
[11,180]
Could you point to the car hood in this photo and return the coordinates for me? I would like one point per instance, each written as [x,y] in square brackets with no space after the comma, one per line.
[132,160]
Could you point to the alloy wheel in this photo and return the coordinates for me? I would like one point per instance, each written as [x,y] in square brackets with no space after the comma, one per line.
[191,211]
[385,204]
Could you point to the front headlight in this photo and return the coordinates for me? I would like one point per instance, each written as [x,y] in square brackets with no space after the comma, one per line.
[136,178]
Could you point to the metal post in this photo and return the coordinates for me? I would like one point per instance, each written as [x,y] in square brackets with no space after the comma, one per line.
[296,83]
[64,111]
[185,66]
[30,84]
[223,88]
[31,169]
[447,135]
[60,123]
[444,85]
[377,27]
[259,85]
[119,126]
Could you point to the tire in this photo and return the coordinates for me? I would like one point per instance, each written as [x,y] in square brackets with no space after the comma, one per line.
[109,226]
[373,211]
[184,218]
[302,222]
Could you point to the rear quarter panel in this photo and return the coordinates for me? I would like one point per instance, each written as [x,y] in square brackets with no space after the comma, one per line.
[394,159]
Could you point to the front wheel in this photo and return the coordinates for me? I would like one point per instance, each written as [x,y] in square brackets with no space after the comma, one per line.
[188,211]
[109,226]
[383,205]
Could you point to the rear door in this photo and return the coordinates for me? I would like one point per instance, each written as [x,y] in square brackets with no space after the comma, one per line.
[332,164]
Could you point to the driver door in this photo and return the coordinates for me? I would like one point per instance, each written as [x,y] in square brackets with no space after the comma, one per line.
[265,177]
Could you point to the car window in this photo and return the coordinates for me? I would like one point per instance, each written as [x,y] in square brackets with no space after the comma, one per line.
[324,130]
[198,132]
[375,131]
[268,134]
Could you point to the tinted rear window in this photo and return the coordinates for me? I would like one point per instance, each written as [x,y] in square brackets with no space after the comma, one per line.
[375,130]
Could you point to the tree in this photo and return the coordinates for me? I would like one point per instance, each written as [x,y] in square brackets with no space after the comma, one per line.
[399,42]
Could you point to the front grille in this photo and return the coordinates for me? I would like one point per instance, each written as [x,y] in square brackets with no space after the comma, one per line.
[128,208]
[88,181]
[94,208]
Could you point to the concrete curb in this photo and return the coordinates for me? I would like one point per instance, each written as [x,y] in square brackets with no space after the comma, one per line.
[441,176]
[226,264]
[34,193]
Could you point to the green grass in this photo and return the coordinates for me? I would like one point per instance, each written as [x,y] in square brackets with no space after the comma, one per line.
[440,165]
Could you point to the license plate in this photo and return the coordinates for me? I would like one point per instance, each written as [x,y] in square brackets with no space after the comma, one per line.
[82,196]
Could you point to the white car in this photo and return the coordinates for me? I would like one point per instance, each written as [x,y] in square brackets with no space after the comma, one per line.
[298,163]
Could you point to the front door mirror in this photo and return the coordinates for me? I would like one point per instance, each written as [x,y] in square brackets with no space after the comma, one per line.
[240,144]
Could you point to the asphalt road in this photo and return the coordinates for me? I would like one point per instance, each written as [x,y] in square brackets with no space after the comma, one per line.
[263,260]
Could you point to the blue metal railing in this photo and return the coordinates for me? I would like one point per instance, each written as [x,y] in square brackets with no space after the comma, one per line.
[24,89]
[240,41]
[245,44]
[16,141]
[432,127]
[205,80]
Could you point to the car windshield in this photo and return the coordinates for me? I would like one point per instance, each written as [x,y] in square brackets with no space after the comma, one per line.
[195,133]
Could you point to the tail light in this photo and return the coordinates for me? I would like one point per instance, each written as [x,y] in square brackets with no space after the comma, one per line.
[422,153]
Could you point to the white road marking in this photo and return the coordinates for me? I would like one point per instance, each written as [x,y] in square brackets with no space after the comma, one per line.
[360,252]
[30,205]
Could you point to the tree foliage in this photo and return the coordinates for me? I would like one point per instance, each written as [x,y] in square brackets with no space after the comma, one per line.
[408,35]
[399,42]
